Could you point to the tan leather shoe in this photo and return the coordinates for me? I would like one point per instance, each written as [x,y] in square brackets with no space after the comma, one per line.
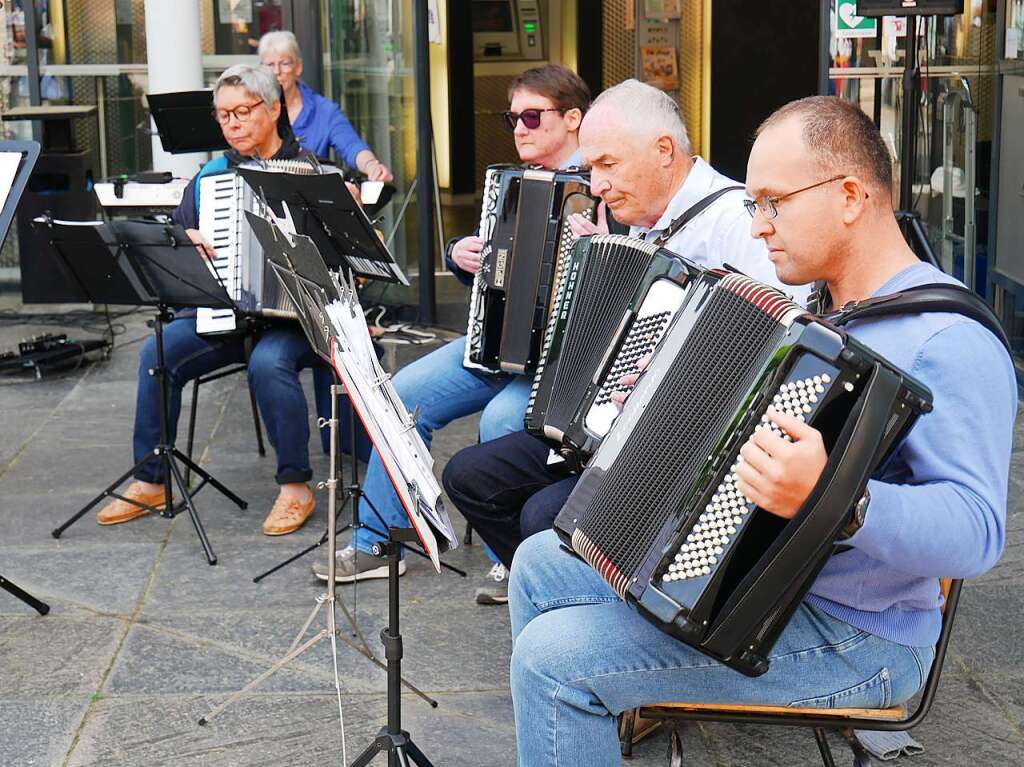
[118,511]
[288,515]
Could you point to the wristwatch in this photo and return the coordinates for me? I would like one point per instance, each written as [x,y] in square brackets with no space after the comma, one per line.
[860,510]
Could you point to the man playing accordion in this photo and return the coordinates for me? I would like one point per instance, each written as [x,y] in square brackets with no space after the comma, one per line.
[819,178]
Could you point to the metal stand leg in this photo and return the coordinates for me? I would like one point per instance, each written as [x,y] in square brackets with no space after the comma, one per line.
[392,739]
[823,748]
[327,601]
[168,456]
[36,604]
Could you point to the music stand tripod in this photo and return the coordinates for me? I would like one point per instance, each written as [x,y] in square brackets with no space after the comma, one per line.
[164,269]
[309,297]
[36,604]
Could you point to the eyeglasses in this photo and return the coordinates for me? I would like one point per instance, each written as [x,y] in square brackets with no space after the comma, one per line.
[530,118]
[241,113]
[769,205]
[285,65]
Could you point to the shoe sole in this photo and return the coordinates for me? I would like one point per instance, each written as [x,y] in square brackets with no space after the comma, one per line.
[378,573]
[490,599]
[129,517]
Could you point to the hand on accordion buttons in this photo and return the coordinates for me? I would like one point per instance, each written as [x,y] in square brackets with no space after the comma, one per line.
[466,254]
[625,385]
[778,474]
[582,227]
[202,244]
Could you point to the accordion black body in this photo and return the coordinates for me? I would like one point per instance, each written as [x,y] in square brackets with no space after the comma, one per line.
[613,306]
[657,512]
[527,240]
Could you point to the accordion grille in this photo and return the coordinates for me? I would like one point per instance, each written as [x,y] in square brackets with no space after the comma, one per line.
[680,428]
[612,271]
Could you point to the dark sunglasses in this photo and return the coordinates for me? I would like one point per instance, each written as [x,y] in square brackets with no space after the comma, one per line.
[530,118]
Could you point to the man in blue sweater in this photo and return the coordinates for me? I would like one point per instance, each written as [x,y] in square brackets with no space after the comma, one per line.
[820,180]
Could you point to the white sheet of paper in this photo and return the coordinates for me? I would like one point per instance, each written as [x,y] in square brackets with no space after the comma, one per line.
[398,443]
[9,163]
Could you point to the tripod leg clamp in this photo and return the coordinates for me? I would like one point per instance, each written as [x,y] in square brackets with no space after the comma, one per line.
[392,645]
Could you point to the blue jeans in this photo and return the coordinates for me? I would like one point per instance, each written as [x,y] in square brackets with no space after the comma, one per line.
[278,354]
[581,656]
[443,390]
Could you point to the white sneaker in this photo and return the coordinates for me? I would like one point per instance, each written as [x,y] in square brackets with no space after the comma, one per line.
[350,566]
[496,590]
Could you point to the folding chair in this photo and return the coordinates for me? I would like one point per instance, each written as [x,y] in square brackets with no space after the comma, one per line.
[843,720]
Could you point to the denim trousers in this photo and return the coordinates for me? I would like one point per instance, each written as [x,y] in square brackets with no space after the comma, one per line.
[443,390]
[581,656]
[507,489]
[278,355]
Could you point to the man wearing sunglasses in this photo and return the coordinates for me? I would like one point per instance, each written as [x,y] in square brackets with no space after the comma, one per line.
[641,165]
[248,109]
[820,179]
[546,108]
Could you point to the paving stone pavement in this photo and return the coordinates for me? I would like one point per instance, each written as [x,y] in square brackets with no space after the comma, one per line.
[144,637]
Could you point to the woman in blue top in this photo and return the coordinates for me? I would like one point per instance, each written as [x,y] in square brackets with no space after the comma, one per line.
[317,122]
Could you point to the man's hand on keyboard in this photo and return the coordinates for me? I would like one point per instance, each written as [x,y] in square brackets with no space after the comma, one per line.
[205,248]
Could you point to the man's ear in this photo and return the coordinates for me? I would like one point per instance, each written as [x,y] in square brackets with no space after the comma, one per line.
[573,117]
[666,150]
[855,198]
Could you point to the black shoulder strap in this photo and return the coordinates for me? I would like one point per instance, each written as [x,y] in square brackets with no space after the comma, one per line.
[932,297]
[691,213]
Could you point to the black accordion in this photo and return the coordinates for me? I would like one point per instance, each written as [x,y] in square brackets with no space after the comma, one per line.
[614,304]
[657,512]
[527,240]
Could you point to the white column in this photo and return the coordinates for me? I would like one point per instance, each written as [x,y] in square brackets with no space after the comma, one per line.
[175,63]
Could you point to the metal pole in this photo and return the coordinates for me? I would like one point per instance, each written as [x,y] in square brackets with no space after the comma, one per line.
[35,95]
[424,167]
[824,41]
[907,142]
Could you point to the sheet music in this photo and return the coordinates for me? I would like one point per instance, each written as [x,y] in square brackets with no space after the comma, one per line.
[391,428]
[9,164]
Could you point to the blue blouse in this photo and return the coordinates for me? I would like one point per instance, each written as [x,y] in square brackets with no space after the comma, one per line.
[322,124]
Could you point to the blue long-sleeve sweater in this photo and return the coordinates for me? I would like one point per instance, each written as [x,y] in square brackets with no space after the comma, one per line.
[938,509]
[321,124]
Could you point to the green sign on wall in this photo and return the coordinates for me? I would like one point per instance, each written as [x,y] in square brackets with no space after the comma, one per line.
[849,24]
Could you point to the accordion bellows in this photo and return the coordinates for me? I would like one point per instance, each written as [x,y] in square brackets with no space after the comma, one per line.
[657,512]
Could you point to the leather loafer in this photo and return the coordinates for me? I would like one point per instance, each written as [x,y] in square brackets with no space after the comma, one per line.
[118,511]
[288,515]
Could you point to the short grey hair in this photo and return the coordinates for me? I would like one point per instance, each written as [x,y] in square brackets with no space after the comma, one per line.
[647,109]
[281,41]
[258,81]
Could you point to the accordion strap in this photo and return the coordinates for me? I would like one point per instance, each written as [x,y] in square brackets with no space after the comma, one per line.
[691,213]
[932,297]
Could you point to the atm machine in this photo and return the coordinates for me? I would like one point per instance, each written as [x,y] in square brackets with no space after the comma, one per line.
[509,36]
[507,30]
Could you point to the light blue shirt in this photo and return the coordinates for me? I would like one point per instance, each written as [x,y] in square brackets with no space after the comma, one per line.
[939,508]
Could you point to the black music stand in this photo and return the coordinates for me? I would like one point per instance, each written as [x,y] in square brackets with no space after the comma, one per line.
[185,122]
[162,264]
[305,278]
[337,224]
[29,151]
